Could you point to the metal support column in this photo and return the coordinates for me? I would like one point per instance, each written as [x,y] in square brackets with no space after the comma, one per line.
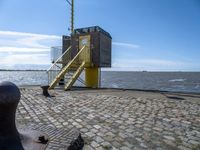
[92,77]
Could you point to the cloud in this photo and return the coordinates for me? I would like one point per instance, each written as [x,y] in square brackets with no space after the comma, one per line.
[23,49]
[20,39]
[26,48]
[12,33]
[128,45]
[26,59]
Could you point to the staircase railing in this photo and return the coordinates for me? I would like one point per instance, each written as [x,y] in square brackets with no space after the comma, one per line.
[82,56]
[57,66]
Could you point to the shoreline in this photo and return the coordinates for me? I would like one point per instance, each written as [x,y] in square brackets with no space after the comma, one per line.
[76,88]
[21,70]
[112,71]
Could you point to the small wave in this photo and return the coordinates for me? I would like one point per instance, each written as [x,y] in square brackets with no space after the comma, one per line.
[179,86]
[177,80]
[115,85]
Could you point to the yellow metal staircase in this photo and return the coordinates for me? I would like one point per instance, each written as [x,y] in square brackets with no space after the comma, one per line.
[71,71]
[75,76]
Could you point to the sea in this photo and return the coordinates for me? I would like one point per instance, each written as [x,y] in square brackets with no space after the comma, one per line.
[164,81]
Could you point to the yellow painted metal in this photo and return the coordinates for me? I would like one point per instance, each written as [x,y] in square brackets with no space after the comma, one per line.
[92,76]
[75,76]
[67,68]
[66,56]
[85,56]
[91,73]
[81,61]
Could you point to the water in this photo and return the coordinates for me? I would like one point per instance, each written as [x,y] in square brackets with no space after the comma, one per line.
[25,77]
[168,81]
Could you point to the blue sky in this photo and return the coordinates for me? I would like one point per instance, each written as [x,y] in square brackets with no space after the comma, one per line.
[153,35]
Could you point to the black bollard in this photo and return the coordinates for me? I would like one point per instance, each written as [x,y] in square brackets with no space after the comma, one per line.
[9,99]
[45,90]
[10,138]
[25,139]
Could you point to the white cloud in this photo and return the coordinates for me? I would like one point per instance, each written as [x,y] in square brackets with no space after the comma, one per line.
[12,33]
[36,47]
[129,45]
[20,39]
[23,49]
[26,59]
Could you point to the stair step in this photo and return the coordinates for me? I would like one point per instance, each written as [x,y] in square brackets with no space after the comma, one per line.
[73,70]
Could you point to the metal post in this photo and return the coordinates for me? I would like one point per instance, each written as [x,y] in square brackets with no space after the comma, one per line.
[72,16]
[9,99]
[92,77]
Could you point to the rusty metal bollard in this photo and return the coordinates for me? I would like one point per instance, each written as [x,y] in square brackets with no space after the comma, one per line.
[9,99]
[10,138]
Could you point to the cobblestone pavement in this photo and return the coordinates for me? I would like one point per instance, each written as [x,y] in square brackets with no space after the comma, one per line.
[115,119]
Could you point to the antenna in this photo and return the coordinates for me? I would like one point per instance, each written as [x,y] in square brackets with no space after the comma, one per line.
[72,14]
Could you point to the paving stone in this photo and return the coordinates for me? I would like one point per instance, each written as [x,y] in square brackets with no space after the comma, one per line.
[183,148]
[106,145]
[99,139]
[87,147]
[169,142]
[169,138]
[193,142]
[125,148]
[90,134]
[65,123]
[157,129]
[97,126]
[94,144]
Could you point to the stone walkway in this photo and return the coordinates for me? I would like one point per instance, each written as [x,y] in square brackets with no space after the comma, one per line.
[114,119]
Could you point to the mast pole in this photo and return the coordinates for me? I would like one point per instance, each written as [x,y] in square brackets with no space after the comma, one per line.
[72,16]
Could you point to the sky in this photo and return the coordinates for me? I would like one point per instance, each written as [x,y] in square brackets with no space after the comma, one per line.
[152,35]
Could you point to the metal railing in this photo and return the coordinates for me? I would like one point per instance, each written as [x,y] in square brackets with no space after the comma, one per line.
[61,68]
[57,66]
[56,52]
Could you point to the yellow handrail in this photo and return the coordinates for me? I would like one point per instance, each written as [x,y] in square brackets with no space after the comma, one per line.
[58,59]
[71,62]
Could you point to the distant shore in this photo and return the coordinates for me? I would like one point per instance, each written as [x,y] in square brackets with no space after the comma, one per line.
[108,71]
[20,70]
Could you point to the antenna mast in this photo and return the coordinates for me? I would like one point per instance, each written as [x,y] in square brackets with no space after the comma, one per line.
[72,14]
